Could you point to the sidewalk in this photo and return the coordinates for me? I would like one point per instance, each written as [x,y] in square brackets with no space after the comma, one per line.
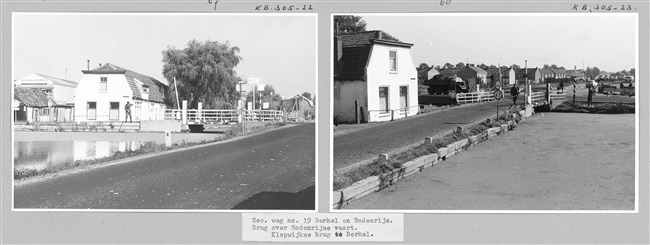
[551,162]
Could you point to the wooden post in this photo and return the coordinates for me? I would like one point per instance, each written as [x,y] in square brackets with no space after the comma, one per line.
[184,112]
[356,111]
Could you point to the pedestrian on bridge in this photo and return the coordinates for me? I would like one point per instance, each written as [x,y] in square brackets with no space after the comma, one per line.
[589,95]
[514,91]
[127,109]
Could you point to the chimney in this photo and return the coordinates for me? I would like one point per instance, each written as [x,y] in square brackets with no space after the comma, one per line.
[87,65]
[380,35]
[100,64]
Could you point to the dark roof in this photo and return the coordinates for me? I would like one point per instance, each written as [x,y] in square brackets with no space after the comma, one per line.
[504,72]
[545,71]
[356,51]
[156,88]
[32,97]
[424,71]
[477,69]
[358,39]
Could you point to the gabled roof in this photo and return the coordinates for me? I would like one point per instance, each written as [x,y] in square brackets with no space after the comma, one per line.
[364,38]
[477,69]
[32,97]
[59,81]
[299,96]
[156,88]
[356,52]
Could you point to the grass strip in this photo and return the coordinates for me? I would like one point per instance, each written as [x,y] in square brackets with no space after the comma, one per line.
[375,168]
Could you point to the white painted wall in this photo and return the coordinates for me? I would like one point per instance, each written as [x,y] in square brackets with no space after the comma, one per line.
[380,75]
[117,90]
[345,93]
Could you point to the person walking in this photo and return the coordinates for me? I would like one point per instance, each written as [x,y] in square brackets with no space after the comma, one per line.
[127,109]
[589,95]
[514,91]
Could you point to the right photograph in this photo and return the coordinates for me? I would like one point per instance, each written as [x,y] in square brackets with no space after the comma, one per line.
[484,112]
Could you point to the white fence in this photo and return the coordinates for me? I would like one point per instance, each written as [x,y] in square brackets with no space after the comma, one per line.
[195,116]
[475,97]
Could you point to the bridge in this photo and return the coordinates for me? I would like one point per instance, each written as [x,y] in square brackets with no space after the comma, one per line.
[195,119]
[539,96]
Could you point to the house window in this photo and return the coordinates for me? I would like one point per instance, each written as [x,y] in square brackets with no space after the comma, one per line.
[392,59]
[145,89]
[383,99]
[114,111]
[403,97]
[45,111]
[91,112]
[103,83]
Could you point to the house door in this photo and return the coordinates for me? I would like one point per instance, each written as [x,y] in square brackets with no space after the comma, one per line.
[114,111]
[91,111]
[383,99]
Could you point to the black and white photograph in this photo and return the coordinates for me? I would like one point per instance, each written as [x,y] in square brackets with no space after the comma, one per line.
[484,112]
[153,111]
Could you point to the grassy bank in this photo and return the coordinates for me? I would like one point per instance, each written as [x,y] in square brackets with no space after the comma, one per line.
[375,168]
[599,108]
[148,147]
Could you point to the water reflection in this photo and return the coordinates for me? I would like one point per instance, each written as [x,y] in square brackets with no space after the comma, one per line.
[42,154]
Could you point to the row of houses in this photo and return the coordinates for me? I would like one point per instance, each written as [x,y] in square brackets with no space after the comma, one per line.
[506,75]
[102,94]
[375,78]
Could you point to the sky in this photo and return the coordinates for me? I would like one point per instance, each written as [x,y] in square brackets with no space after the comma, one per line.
[606,41]
[281,49]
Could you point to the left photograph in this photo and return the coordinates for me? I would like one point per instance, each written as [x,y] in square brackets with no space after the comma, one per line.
[164,112]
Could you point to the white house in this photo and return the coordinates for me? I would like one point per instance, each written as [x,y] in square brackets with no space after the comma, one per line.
[104,91]
[374,78]
[60,94]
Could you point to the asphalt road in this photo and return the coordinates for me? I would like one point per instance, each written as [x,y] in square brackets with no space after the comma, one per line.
[360,145]
[272,170]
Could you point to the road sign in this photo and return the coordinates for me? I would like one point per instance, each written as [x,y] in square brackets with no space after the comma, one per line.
[498,95]
[497,85]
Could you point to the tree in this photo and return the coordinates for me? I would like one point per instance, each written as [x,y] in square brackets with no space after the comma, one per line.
[493,67]
[348,23]
[204,72]
[423,66]
[307,95]
[460,65]
[448,65]
[516,66]
[554,67]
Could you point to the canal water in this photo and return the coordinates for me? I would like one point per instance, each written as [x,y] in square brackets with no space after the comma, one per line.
[42,154]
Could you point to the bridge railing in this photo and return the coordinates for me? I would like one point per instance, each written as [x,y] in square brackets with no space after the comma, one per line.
[475,97]
[263,115]
[538,97]
[203,116]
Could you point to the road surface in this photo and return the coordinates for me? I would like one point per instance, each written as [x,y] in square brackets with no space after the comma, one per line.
[272,170]
[559,161]
[367,143]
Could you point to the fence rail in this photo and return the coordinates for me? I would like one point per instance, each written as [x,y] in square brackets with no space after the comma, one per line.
[475,97]
[195,116]
[538,97]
